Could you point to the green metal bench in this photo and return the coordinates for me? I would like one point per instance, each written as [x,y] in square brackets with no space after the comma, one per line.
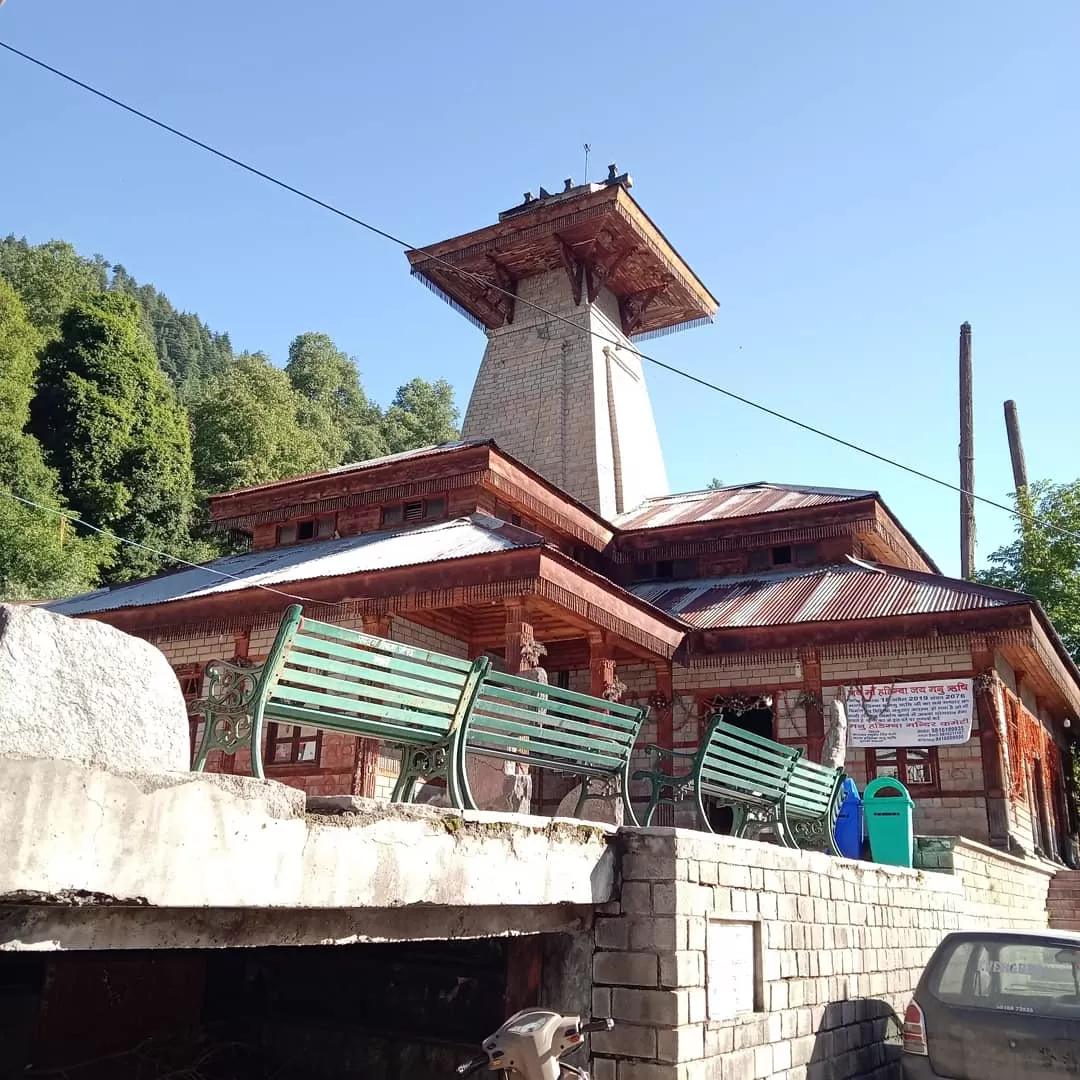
[811,805]
[437,708]
[546,727]
[327,677]
[737,768]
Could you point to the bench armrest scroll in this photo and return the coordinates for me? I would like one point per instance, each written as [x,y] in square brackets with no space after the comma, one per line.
[230,688]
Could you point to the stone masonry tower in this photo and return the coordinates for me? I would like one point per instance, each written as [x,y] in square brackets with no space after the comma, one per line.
[561,385]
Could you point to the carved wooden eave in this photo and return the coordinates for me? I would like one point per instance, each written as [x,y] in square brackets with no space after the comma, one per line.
[601,239]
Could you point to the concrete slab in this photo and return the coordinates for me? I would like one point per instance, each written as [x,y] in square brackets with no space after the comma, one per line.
[210,841]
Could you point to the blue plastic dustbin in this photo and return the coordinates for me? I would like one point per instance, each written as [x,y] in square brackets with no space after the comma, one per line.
[849,823]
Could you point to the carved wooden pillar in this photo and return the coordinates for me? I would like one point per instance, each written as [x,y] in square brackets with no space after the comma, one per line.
[991,750]
[601,663]
[815,713]
[519,632]
[366,766]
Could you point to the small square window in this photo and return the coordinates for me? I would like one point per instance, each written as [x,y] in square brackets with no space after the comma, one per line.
[665,568]
[757,560]
[326,526]
[414,511]
[435,508]
[643,571]
[781,556]
[391,515]
[685,568]
[286,534]
[805,553]
[305,530]
[515,519]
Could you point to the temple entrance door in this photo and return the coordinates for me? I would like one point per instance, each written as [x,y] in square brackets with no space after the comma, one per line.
[757,721]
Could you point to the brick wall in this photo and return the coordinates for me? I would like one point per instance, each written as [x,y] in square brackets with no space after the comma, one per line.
[836,949]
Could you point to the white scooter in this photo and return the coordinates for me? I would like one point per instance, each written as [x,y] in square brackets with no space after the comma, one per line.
[529,1045]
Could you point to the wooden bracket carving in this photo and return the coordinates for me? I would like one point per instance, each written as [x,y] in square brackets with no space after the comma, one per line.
[503,297]
[600,273]
[574,268]
[632,307]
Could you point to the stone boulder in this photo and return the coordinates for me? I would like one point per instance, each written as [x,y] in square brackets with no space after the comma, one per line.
[608,809]
[501,786]
[82,691]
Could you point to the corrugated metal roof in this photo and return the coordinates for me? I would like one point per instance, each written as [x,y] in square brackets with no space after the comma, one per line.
[740,500]
[855,590]
[284,567]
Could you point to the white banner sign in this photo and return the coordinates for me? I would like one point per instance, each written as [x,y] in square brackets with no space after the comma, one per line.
[933,713]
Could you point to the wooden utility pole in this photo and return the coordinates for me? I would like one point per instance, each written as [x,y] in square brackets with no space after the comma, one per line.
[967,458]
[1016,448]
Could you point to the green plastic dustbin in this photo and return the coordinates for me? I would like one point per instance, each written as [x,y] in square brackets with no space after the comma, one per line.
[887,808]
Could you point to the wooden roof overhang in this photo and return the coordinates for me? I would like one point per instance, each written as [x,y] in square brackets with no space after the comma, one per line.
[601,238]
[464,597]
[480,464]
[888,542]
[1020,632]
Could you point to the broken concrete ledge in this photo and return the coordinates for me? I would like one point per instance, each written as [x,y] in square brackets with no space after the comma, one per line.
[196,840]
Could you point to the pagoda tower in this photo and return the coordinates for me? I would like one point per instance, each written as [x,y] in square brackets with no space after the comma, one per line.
[564,285]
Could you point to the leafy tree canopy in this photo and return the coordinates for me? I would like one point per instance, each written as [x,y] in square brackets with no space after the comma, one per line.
[1044,561]
[49,278]
[422,414]
[249,428]
[40,556]
[110,424]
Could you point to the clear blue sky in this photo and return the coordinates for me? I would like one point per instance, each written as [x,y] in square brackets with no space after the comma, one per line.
[851,180]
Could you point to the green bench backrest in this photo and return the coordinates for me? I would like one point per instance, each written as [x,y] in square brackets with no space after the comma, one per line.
[741,761]
[516,717]
[811,789]
[332,674]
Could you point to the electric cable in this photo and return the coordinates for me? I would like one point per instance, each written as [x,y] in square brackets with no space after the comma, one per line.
[1030,519]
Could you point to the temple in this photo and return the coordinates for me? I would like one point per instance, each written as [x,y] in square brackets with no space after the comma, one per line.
[550,523]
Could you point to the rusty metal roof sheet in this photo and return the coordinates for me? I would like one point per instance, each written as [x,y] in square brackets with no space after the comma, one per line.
[739,500]
[285,567]
[853,590]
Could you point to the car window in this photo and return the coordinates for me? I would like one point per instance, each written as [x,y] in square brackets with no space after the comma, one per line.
[1012,976]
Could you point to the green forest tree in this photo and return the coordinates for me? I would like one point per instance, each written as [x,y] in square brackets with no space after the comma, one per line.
[1044,559]
[50,278]
[188,350]
[120,406]
[40,556]
[422,414]
[110,424]
[329,379]
[248,428]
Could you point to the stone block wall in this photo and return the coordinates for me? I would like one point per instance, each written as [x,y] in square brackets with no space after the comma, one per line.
[833,951]
[570,405]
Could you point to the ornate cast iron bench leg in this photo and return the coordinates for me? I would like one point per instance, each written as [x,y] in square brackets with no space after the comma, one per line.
[228,712]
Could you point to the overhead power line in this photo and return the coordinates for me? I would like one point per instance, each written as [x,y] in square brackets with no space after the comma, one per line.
[468,275]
